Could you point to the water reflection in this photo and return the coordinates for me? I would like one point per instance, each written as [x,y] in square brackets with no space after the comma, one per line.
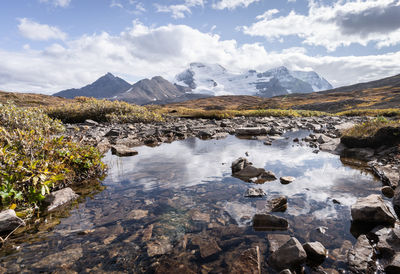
[169,199]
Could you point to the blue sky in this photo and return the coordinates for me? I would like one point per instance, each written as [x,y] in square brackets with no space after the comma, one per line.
[49,45]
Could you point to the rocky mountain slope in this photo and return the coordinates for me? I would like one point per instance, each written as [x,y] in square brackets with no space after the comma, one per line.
[215,80]
[106,86]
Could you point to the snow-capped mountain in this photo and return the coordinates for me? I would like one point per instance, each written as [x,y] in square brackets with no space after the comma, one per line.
[215,80]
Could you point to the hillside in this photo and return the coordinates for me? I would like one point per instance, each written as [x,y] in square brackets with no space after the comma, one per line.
[31,99]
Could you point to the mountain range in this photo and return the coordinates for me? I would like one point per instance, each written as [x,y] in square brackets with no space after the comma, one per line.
[199,81]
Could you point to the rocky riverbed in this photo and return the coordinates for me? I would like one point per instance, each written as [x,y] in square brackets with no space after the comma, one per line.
[191,234]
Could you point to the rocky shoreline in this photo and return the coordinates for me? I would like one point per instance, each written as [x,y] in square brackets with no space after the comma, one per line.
[381,242]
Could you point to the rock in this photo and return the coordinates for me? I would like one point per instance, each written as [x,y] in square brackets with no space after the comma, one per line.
[59,198]
[334,146]
[247,262]
[322,139]
[249,172]
[254,192]
[239,164]
[394,266]
[201,217]
[289,255]
[123,151]
[9,221]
[276,241]
[267,176]
[137,214]
[387,191]
[372,209]
[158,247]
[316,252]
[208,246]
[360,257]
[388,241]
[91,122]
[112,133]
[251,131]
[264,222]
[278,204]
[287,180]
[387,174]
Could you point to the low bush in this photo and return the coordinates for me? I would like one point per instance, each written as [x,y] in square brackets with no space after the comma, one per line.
[370,127]
[34,161]
[84,108]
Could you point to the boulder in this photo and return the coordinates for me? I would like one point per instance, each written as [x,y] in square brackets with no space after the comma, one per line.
[360,257]
[388,241]
[208,246]
[251,131]
[9,221]
[123,151]
[316,252]
[286,180]
[289,255]
[239,164]
[265,222]
[59,198]
[254,192]
[372,209]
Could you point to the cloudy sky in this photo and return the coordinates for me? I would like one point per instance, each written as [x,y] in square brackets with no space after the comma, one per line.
[50,45]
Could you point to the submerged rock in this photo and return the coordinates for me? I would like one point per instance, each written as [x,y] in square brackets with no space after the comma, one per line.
[208,246]
[59,198]
[254,192]
[289,255]
[66,258]
[372,209]
[158,247]
[264,222]
[247,262]
[9,221]
[360,257]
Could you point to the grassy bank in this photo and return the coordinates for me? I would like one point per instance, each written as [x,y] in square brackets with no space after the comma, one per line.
[370,128]
[36,159]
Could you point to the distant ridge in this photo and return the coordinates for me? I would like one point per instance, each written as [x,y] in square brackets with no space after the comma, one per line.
[106,86]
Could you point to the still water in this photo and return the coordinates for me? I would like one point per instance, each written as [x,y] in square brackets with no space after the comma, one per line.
[176,208]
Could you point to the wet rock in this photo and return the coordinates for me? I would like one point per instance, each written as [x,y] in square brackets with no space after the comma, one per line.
[90,122]
[254,192]
[123,151]
[267,176]
[388,175]
[316,252]
[239,164]
[202,217]
[251,131]
[137,214]
[65,258]
[9,221]
[249,172]
[265,222]
[205,134]
[59,198]
[286,180]
[158,247]
[247,262]
[278,204]
[372,209]
[387,191]
[208,246]
[394,266]
[289,255]
[276,241]
[360,257]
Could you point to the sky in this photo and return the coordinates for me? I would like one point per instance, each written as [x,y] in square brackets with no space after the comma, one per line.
[50,45]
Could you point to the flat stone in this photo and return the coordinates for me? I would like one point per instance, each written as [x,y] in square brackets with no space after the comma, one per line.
[265,222]
[315,251]
[9,221]
[289,255]
[286,180]
[59,198]
[372,209]
[360,257]
[137,214]
[254,192]
[123,151]
[276,241]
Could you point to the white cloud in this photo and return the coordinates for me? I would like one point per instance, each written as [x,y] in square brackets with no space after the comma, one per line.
[181,10]
[142,51]
[232,4]
[36,31]
[340,24]
[116,4]
[57,3]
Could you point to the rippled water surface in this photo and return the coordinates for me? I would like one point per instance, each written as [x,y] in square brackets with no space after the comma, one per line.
[177,206]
